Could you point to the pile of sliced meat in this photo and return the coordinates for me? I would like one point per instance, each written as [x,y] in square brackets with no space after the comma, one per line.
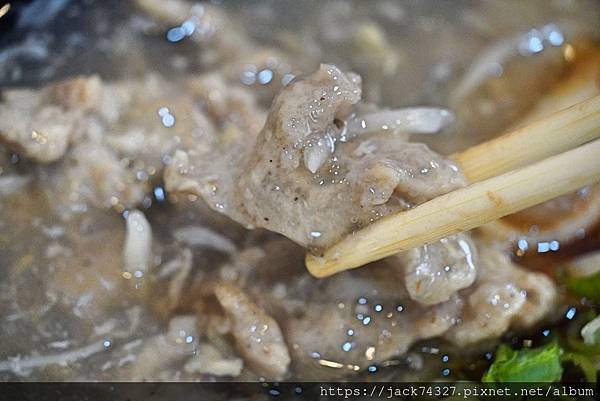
[319,166]
[317,171]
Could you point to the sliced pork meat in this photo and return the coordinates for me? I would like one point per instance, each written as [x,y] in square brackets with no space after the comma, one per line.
[178,343]
[503,296]
[341,325]
[162,207]
[433,273]
[317,171]
[257,335]
[359,319]
[323,165]
[103,148]
[55,116]
[95,176]
[72,113]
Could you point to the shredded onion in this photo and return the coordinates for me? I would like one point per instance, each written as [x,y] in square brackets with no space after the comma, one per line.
[22,366]
[490,62]
[177,283]
[204,237]
[410,120]
[487,64]
[138,242]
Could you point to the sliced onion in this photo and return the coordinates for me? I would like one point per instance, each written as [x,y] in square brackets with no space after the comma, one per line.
[490,61]
[487,64]
[204,237]
[138,243]
[23,366]
[411,120]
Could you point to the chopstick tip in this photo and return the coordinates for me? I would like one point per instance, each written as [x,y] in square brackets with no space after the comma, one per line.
[316,265]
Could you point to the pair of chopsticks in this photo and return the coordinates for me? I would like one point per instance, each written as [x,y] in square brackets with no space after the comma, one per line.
[549,158]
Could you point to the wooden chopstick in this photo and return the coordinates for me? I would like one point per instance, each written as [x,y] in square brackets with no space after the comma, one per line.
[488,200]
[462,210]
[549,136]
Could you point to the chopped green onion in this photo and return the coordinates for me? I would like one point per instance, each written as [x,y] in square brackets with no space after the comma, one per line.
[526,365]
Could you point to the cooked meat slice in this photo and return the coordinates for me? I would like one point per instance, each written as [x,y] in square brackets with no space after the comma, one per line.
[541,295]
[361,318]
[315,171]
[92,174]
[179,342]
[105,148]
[504,296]
[433,273]
[44,137]
[323,176]
[230,107]
[357,318]
[491,307]
[257,334]
[41,124]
